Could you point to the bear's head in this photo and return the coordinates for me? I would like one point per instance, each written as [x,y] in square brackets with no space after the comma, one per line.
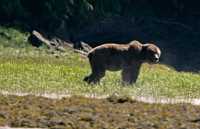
[151,53]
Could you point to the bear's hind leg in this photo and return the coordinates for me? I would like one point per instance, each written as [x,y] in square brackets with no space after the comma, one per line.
[95,77]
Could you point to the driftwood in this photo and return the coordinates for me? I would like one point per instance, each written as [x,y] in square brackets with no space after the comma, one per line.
[86,47]
[60,45]
[55,43]
[42,38]
[83,53]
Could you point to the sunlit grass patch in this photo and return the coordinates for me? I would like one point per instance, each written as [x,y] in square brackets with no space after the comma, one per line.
[65,75]
[161,80]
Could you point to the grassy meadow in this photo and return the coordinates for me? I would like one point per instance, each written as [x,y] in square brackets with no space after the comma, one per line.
[24,68]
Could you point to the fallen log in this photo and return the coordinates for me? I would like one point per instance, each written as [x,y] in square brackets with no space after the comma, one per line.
[60,45]
[42,38]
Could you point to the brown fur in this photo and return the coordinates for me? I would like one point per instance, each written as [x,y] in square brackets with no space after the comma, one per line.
[125,57]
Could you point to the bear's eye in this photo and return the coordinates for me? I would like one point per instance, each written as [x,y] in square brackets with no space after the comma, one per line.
[153,54]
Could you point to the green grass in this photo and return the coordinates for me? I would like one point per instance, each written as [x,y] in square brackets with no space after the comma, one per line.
[27,69]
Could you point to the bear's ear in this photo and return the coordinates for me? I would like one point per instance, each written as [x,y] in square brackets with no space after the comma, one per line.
[151,47]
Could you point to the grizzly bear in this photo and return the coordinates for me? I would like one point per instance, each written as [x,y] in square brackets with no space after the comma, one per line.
[125,57]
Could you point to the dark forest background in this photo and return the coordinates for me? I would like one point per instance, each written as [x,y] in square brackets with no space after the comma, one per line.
[174,25]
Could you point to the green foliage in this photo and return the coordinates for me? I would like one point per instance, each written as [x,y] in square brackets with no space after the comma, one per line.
[10,37]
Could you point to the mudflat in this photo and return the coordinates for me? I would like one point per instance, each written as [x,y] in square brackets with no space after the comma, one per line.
[79,112]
